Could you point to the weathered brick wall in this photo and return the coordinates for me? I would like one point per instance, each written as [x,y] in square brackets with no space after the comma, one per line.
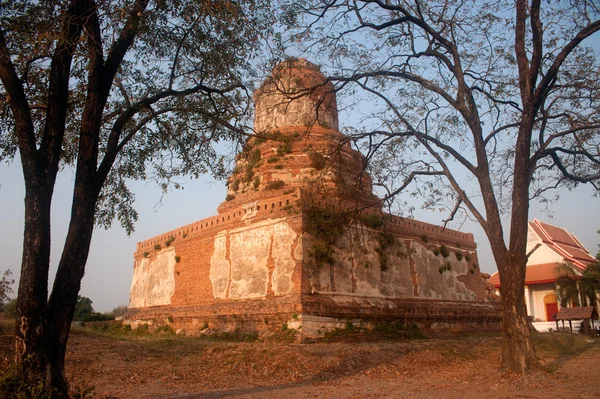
[261,262]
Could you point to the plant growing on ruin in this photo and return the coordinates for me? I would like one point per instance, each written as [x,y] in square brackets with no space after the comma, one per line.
[256,182]
[146,254]
[459,256]
[493,100]
[284,148]
[371,220]
[326,226]
[170,240]
[468,257]
[444,251]
[157,246]
[177,259]
[274,185]
[273,159]
[317,160]
[425,238]
[229,197]
[445,267]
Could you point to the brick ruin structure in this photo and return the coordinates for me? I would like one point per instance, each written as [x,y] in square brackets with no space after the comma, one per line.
[301,240]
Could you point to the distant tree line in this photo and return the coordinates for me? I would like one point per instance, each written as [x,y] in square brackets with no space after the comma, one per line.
[84,311]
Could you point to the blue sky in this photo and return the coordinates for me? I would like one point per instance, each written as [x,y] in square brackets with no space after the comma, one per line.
[110,265]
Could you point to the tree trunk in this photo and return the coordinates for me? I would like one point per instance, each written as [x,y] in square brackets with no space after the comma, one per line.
[31,329]
[518,355]
[43,325]
[71,268]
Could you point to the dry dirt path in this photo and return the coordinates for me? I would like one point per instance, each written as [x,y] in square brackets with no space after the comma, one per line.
[458,367]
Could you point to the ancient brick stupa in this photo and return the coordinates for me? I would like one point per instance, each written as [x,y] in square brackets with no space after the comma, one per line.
[301,240]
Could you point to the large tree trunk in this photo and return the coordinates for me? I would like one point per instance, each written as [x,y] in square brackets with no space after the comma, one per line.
[31,329]
[61,305]
[518,355]
[43,325]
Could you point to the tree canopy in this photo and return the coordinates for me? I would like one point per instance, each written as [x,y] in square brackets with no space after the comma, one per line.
[476,106]
[117,90]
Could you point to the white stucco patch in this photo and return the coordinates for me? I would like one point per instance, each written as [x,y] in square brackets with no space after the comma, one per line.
[246,272]
[220,267]
[283,240]
[154,281]
[445,285]
[249,253]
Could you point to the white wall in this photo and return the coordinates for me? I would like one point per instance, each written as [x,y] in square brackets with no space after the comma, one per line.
[537,293]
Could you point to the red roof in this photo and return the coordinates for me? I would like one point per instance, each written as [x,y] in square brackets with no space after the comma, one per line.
[563,243]
[560,241]
[535,274]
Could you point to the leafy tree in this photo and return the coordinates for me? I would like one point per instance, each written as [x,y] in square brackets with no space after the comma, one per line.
[576,286]
[478,106]
[5,289]
[83,308]
[119,90]
[117,312]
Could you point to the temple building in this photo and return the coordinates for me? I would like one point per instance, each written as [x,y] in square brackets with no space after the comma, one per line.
[549,247]
[302,242]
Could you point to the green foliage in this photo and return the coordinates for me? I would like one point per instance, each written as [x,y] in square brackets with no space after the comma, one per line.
[322,253]
[157,246]
[118,311]
[445,267]
[278,166]
[273,159]
[436,251]
[229,197]
[425,238]
[571,285]
[146,254]
[169,240]
[284,148]
[472,271]
[177,258]
[274,185]
[326,226]
[256,182]
[397,330]
[372,220]
[14,385]
[317,160]
[83,308]
[468,257]
[235,185]
[444,251]
[459,256]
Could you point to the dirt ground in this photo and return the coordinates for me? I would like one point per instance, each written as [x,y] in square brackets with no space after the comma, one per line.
[104,366]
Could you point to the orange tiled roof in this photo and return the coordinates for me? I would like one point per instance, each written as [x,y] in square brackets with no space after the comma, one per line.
[563,243]
[535,274]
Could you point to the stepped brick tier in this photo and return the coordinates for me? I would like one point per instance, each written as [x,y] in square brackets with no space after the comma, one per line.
[301,240]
